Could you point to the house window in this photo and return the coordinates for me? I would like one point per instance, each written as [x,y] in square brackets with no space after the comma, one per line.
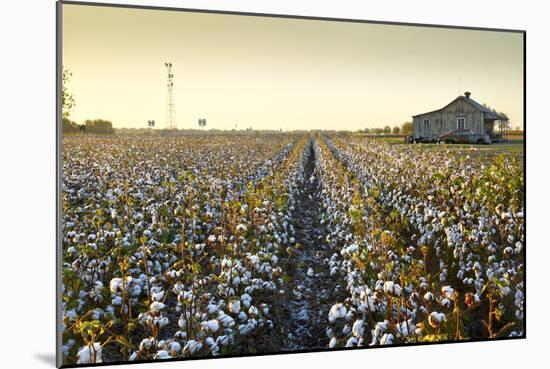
[426,122]
[460,123]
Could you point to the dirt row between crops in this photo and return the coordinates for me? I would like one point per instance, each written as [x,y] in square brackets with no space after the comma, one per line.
[311,292]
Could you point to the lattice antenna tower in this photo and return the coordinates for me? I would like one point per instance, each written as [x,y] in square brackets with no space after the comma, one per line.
[170,105]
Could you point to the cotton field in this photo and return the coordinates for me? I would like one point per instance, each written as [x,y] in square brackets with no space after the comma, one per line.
[207,245]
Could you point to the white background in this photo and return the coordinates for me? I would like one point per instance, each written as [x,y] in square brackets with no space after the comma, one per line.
[27,180]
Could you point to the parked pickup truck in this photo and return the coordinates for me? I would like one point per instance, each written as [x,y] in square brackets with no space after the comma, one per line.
[464,136]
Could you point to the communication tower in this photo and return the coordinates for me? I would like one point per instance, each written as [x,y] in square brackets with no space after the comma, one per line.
[170,105]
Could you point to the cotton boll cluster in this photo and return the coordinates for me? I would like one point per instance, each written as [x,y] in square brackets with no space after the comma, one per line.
[90,354]
[199,232]
[155,219]
[446,229]
[337,311]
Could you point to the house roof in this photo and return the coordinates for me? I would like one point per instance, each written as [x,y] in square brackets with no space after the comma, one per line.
[490,114]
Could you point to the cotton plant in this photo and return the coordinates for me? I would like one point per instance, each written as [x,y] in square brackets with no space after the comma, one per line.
[196,236]
[437,228]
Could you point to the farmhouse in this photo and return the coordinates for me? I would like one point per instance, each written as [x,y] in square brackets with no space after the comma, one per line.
[461,113]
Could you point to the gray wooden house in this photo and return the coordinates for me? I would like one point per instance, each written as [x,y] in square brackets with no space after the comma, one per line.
[461,113]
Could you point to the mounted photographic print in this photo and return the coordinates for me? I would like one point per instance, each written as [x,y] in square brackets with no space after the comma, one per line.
[235,184]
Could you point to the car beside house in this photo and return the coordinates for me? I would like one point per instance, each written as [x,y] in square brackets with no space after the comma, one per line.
[464,136]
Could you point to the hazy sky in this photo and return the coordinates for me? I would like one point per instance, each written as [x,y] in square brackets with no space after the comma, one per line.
[271,73]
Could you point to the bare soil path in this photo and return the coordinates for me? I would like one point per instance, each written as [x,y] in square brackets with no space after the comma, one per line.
[309,297]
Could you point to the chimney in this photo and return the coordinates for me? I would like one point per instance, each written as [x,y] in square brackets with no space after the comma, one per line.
[467,94]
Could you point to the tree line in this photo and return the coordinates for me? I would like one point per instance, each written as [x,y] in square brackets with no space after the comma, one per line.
[405,129]
[91,126]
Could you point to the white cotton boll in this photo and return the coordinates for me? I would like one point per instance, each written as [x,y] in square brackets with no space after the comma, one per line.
[310,272]
[223,340]
[380,328]
[389,287]
[246,299]
[505,291]
[333,342]
[226,263]
[242,316]
[387,339]
[265,309]
[358,328]
[234,306]
[182,322]
[117,301]
[161,322]
[211,325]
[214,348]
[418,330]
[158,296]
[436,318]
[241,228]
[346,330]
[253,311]
[133,356]
[96,315]
[192,347]
[244,329]
[212,308]
[352,341]
[116,285]
[226,320]
[180,335]
[174,347]
[212,238]
[156,306]
[337,311]
[162,354]
[136,290]
[86,354]
[236,281]
[428,296]
[403,328]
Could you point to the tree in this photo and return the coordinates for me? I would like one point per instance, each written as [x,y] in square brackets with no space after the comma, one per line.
[99,126]
[67,99]
[366,130]
[407,128]
[68,126]
[396,130]
[387,129]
